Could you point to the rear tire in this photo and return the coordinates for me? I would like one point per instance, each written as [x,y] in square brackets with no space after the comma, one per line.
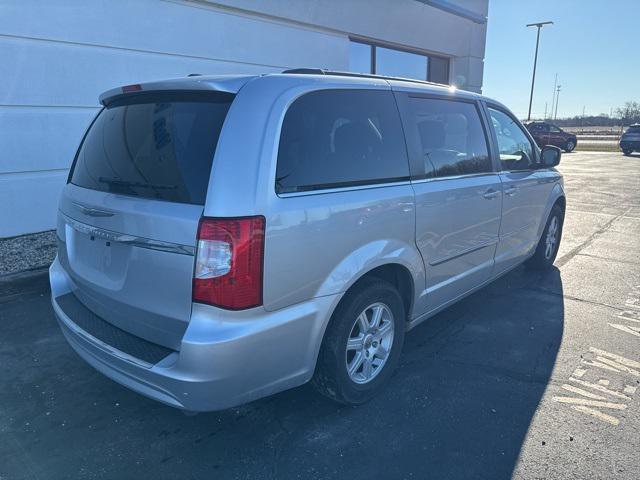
[549,242]
[627,152]
[352,366]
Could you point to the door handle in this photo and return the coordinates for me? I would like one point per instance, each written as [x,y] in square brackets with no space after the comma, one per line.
[491,193]
[510,190]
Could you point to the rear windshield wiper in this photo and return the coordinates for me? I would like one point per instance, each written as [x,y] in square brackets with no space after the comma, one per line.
[127,183]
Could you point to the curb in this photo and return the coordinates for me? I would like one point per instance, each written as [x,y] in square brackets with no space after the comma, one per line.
[20,283]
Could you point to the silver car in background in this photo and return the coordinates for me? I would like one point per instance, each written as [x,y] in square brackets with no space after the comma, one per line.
[224,238]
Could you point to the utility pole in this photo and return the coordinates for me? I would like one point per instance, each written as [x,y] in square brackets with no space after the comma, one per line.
[546,104]
[535,61]
[555,115]
[553,98]
[611,121]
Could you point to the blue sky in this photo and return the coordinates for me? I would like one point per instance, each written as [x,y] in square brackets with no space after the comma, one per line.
[594,46]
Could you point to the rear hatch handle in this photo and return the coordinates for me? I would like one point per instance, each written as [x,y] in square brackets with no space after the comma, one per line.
[93,212]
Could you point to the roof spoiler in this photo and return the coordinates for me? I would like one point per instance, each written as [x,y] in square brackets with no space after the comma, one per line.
[193,82]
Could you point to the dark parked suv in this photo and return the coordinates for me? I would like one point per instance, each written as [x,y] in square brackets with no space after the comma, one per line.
[630,139]
[547,134]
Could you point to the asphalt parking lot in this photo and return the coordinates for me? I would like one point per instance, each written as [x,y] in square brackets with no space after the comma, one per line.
[535,377]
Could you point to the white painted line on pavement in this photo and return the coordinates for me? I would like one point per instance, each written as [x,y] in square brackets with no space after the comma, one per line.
[579,391]
[579,372]
[601,388]
[623,328]
[619,366]
[600,365]
[618,358]
[598,414]
[591,403]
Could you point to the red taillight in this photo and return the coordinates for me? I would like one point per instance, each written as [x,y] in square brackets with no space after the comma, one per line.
[228,270]
[131,88]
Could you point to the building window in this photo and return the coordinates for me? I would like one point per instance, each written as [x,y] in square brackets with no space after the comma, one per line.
[369,58]
[360,58]
[439,69]
[396,63]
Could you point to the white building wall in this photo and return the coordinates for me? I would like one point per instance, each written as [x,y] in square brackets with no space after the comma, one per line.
[56,57]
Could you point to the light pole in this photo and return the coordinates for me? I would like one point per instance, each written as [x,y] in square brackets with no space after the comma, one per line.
[555,115]
[553,98]
[535,61]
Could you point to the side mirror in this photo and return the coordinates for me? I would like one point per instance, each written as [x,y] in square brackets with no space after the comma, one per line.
[550,156]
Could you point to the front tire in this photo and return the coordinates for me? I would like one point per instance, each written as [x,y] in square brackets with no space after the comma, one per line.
[626,152]
[569,146]
[362,345]
[548,245]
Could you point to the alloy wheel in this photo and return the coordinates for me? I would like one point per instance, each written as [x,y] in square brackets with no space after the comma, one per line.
[551,239]
[369,343]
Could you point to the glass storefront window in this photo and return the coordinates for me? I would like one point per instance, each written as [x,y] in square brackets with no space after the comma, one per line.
[360,57]
[396,63]
[369,58]
[439,69]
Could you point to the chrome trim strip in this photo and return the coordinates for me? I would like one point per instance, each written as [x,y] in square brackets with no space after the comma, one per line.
[460,254]
[454,177]
[322,191]
[132,240]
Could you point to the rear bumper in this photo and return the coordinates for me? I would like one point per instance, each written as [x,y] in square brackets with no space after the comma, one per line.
[225,359]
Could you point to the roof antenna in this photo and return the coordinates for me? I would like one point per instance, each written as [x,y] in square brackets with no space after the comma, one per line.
[194,75]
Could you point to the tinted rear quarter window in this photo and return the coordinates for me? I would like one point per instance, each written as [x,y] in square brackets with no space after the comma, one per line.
[452,139]
[341,138]
[155,145]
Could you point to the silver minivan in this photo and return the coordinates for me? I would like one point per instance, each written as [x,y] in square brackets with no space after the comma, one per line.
[224,238]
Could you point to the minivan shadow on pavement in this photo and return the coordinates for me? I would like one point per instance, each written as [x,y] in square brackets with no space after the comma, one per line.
[458,407]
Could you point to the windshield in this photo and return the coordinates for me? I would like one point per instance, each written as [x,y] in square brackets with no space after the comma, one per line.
[156,145]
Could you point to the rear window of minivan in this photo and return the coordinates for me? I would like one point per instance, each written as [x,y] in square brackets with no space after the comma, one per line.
[157,145]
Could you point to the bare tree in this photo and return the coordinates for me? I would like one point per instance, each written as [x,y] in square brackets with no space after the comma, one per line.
[629,113]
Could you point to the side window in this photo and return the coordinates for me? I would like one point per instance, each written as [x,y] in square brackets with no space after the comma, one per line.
[452,139]
[516,151]
[340,138]
[554,129]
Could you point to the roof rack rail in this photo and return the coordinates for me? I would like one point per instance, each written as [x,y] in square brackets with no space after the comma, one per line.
[322,71]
